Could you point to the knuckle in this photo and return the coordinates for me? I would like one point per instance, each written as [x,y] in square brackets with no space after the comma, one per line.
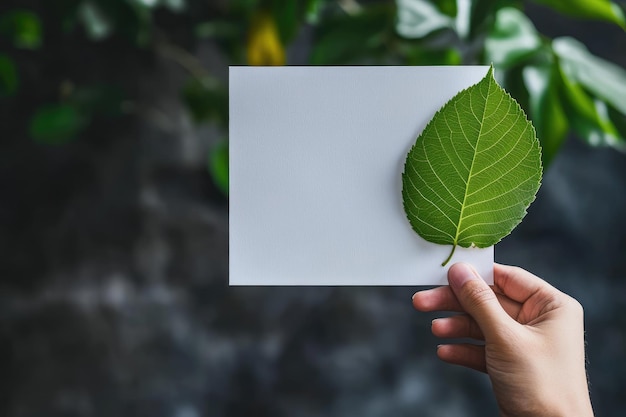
[478,294]
[575,306]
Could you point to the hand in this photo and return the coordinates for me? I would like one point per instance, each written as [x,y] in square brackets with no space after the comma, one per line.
[534,349]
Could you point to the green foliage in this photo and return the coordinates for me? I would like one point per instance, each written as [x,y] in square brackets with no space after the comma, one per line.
[98,99]
[23,28]
[8,76]
[207,100]
[346,38]
[512,39]
[546,110]
[473,171]
[602,78]
[589,9]
[561,85]
[218,165]
[56,124]
[419,18]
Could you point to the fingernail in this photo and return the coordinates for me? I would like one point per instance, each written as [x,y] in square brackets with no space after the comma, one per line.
[460,273]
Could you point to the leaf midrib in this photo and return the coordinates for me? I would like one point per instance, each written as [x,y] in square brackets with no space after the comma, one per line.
[469,175]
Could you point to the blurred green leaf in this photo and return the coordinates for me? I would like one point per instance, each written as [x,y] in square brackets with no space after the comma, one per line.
[313,11]
[218,165]
[347,38]
[602,78]
[448,7]
[588,117]
[23,27]
[512,39]
[286,15]
[219,29]
[56,124]
[244,5]
[546,110]
[173,5]
[99,99]
[96,23]
[206,100]
[481,16]
[424,56]
[103,17]
[419,18]
[619,121]
[588,9]
[146,3]
[9,80]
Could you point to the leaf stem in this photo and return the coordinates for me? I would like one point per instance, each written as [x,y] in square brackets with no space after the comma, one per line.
[449,256]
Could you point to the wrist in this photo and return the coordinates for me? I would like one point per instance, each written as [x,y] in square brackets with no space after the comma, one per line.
[579,408]
[548,403]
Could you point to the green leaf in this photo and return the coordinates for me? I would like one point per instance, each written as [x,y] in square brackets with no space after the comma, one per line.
[587,116]
[588,9]
[424,56]
[313,11]
[419,18]
[546,110]
[218,29]
[100,99]
[9,80]
[602,78]
[103,17]
[619,121]
[512,39]
[481,16]
[206,100]
[173,5]
[23,27]
[176,6]
[286,15]
[56,124]
[97,24]
[448,7]
[218,166]
[348,38]
[473,171]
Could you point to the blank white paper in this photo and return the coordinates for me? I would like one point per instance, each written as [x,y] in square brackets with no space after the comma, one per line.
[315,157]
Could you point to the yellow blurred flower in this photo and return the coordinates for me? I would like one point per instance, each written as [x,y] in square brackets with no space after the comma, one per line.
[264,46]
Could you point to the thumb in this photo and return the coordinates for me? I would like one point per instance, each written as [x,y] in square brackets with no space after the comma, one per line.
[478,300]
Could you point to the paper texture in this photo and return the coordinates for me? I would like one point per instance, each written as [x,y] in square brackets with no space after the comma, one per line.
[316,157]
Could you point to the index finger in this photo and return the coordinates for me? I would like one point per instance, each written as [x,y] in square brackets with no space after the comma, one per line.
[517,283]
[443,299]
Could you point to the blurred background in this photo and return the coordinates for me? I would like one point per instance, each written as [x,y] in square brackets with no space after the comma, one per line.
[114,297]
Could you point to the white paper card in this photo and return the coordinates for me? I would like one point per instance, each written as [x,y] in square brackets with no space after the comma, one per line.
[316,157]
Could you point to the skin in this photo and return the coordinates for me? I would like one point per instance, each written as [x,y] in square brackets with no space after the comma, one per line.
[533,334]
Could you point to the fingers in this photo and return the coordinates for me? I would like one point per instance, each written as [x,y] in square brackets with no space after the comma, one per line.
[436,299]
[443,299]
[471,356]
[517,283]
[479,300]
[457,327]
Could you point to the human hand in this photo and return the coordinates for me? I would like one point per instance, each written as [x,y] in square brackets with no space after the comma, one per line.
[534,349]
